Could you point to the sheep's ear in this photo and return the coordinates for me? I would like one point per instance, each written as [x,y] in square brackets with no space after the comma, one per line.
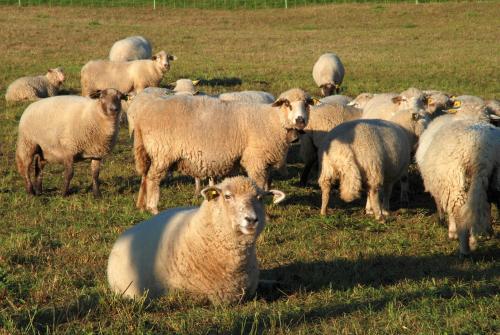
[397,100]
[278,196]
[211,193]
[279,102]
[196,82]
[172,57]
[124,96]
[95,94]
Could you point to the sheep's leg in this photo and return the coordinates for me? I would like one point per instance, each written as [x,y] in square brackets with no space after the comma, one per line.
[387,198]
[24,158]
[141,198]
[465,239]
[39,165]
[374,197]
[259,174]
[441,220]
[197,186]
[68,175]
[368,206]
[405,190]
[155,175]
[304,177]
[95,166]
[452,228]
[325,186]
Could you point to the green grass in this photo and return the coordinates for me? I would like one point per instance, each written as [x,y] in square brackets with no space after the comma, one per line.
[343,274]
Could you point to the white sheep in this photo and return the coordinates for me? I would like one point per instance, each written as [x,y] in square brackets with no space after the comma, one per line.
[248,96]
[371,153]
[206,137]
[34,88]
[66,129]
[436,102]
[322,119]
[328,73]
[207,250]
[133,76]
[336,99]
[459,160]
[384,106]
[185,86]
[130,48]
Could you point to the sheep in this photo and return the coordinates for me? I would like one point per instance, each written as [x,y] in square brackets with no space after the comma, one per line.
[130,48]
[328,73]
[133,76]
[361,100]
[370,153]
[185,86]
[458,157]
[248,96]
[336,99]
[34,88]
[322,119]
[384,106]
[206,137]
[67,129]
[208,250]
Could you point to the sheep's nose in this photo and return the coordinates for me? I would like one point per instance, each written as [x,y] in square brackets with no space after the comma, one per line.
[251,221]
[300,122]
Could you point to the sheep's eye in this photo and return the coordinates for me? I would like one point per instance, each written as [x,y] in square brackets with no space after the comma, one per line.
[227,196]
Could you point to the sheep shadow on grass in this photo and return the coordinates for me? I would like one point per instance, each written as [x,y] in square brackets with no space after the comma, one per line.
[223,81]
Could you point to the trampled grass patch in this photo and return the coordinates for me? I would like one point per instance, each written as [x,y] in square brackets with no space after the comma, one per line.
[343,274]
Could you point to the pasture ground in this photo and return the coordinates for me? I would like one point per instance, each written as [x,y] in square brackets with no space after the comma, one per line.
[343,274]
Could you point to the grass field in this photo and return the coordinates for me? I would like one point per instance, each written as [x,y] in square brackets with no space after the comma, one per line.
[343,274]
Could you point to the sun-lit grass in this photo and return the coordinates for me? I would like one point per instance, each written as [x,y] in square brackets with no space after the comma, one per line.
[345,273]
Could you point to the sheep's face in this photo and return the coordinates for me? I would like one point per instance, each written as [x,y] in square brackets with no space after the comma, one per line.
[415,103]
[420,120]
[437,102]
[361,100]
[329,89]
[56,76]
[296,113]
[163,59]
[242,202]
[110,100]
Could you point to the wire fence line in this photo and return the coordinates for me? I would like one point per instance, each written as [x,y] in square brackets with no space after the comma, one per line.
[202,4]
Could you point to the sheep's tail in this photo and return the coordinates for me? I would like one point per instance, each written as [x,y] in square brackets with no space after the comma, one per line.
[142,159]
[350,176]
[475,214]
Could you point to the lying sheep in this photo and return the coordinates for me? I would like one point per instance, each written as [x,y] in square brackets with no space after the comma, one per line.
[338,99]
[328,73]
[34,88]
[459,160]
[206,137]
[248,97]
[207,250]
[130,48]
[368,153]
[384,106]
[133,76]
[67,129]
[322,119]
[361,100]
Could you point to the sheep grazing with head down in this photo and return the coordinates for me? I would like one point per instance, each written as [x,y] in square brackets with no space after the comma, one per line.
[459,160]
[133,76]
[322,118]
[328,73]
[34,88]
[338,99]
[207,250]
[206,137]
[131,48]
[361,100]
[373,154]
[66,129]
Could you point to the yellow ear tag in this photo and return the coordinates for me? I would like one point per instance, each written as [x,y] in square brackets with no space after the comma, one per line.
[430,101]
[457,104]
[451,111]
[316,101]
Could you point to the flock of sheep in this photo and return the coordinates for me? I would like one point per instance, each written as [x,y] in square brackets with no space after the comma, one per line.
[366,144]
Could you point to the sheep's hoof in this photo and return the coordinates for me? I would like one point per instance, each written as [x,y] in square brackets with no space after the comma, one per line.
[385,212]
[452,235]
[153,211]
